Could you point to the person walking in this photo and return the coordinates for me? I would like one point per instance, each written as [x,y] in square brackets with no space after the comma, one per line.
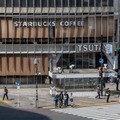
[60,99]
[117,84]
[98,92]
[56,100]
[71,100]
[5,93]
[108,95]
[67,98]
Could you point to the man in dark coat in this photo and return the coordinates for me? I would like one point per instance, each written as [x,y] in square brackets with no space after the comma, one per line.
[60,99]
[117,84]
[67,98]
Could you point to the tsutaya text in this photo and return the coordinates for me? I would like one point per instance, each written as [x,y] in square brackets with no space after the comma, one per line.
[92,47]
[46,23]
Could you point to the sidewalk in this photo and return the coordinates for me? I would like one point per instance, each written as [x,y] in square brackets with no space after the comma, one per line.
[26,98]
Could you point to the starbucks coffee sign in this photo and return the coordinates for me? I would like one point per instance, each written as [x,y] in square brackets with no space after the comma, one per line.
[46,23]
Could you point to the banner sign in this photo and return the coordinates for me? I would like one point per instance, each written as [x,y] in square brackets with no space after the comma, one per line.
[92,47]
[46,23]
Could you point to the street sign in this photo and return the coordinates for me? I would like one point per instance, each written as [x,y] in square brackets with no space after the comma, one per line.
[101,61]
[18,84]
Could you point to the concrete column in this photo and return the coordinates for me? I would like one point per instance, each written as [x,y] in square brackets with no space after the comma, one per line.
[54,62]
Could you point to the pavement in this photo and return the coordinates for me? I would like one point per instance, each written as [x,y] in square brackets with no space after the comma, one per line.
[26,97]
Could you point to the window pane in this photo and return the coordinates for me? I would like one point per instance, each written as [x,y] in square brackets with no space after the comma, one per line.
[23,3]
[15,3]
[30,3]
[91,3]
[8,3]
[58,3]
[98,3]
[85,3]
[110,2]
[65,3]
[51,3]
[104,3]
[1,3]
[72,3]
[44,3]
[37,3]
[78,3]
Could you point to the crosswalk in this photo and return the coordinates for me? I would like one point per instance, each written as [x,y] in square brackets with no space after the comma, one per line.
[106,112]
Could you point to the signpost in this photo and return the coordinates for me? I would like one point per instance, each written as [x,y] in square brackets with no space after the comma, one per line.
[101,71]
[18,85]
[101,61]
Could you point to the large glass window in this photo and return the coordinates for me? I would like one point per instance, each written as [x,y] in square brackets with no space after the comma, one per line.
[85,60]
[30,3]
[98,3]
[16,3]
[85,3]
[104,3]
[72,3]
[78,60]
[44,3]
[110,2]
[37,3]
[51,3]
[65,3]
[8,3]
[91,3]
[23,3]
[78,3]
[58,3]
[1,3]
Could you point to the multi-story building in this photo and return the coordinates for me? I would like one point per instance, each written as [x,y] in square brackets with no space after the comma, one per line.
[63,34]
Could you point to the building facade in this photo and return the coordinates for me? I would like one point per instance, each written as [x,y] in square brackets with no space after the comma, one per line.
[65,35]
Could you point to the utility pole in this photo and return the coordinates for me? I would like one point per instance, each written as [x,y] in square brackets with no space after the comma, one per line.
[64,84]
[101,72]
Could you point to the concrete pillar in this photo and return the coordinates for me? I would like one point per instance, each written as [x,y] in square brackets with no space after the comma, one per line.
[54,62]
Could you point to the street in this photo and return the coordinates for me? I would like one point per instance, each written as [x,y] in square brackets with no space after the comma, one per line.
[8,113]
[106,112]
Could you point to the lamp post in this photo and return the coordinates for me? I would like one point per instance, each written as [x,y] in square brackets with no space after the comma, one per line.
[101,66]
[36,62]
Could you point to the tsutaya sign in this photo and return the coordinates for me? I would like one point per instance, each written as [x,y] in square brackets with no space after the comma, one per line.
[95,48]
[46,23]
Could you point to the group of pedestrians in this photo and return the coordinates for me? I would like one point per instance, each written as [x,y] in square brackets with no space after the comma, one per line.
[107,91]
[62,99]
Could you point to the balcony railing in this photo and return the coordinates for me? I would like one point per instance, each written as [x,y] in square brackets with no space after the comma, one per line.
[56,10]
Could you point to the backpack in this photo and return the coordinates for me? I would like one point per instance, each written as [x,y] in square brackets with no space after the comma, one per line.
[55,97]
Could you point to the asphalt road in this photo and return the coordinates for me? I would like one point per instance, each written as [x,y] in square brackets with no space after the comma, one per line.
[8,113]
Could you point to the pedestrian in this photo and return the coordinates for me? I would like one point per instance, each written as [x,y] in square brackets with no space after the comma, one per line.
[60,99]
[98,92]
[5,93]
[56,100]
[108,94]
[67,98]
[71,100]
[117,84]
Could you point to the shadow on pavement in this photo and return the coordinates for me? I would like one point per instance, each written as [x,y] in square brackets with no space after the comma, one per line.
[8,113]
